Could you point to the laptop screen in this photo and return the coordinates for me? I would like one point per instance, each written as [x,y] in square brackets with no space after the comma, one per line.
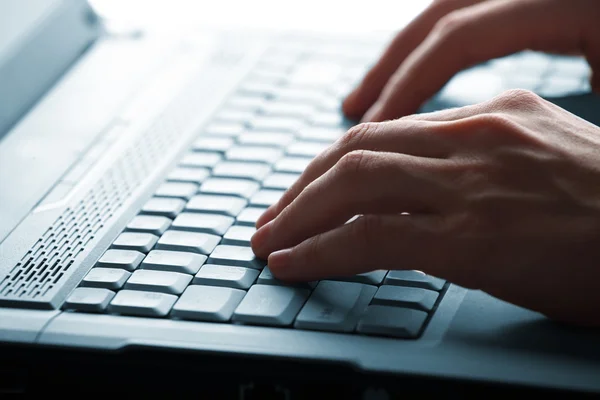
[39,40]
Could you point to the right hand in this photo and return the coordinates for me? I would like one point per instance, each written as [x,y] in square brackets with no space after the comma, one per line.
[451,35]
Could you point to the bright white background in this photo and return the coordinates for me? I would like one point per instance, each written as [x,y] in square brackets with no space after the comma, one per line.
[319,15]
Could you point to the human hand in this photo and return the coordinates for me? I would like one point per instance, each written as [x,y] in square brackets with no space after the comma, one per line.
[452,35]
[503,196]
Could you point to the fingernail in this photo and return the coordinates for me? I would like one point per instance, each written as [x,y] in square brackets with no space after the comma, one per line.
[261,238]
[265,217]
[280,260]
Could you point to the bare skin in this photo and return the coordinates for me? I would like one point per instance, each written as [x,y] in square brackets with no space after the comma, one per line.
[502,196]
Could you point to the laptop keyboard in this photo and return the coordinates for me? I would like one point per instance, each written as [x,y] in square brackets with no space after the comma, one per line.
[187,254]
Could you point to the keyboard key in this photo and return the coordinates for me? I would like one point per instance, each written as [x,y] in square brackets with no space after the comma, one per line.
[216,144]
[88,299]
[236,116]
[235,255]
[193,242]
[142,242]
[192,175]
[145,304]
[408,297]
[245,102]
[200,160]
[249,216]
[370,278]
[392,321]
[225,275]
[153,224]
[265,198]
[266,278]
[327,135]
[233,187]
[280,181]
[266,139]
[163,206]
[207,223]
[252,171]
[328,120]
[292,164]
[225,129]
[224,205]
[285,109]
[206,303]
[158,281]
[306,149]
[291,125]
[173,261]
[413,279]
[238,235]
[106,278]
[335,306]
[126,259]
[179,190]
[270,305]
[267,155]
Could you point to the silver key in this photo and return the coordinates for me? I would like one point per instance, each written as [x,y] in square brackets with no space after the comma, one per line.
[225,275]
[162,206]
[158,281]
[280,181]
[225,205]
[392,321]
[200,160]
[267,278]
[270,305]
[413,279]
[408,297]
[327,135]
[252,171]
[238,235]
[292,164]
[370,278]
[89,299]
[233,187]
[174,261]
[306,149]
[216,144]
[179,190]
[267,155]
[235,255]
[192,175]
[225,129]
[328,120]
[276,124]
[193,242]
[154,224]
[237,116]
[207,223]
[126,259]
[266,197]
[106,278]
[335,306]
[149,304]
[266,139]
[142,242]
[285,109]
[207,303]
[241,102]
[249,216]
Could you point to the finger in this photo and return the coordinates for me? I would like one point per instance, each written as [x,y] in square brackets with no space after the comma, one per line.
[375,242]
[367,92]
[363,182]
[484,27]
[406,137]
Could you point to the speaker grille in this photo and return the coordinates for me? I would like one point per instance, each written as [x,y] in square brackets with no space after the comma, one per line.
[49,260]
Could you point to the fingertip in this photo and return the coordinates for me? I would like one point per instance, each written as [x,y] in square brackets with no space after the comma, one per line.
[279,263]
[260,240]
[266,217]
[350,106]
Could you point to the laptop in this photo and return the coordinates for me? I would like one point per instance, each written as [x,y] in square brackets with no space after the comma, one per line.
[133,166]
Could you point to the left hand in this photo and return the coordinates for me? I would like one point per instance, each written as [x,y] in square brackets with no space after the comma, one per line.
[502,196]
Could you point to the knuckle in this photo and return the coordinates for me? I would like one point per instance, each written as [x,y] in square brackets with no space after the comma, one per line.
[494,121]
[353,138]
[352,163]
[517,99]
